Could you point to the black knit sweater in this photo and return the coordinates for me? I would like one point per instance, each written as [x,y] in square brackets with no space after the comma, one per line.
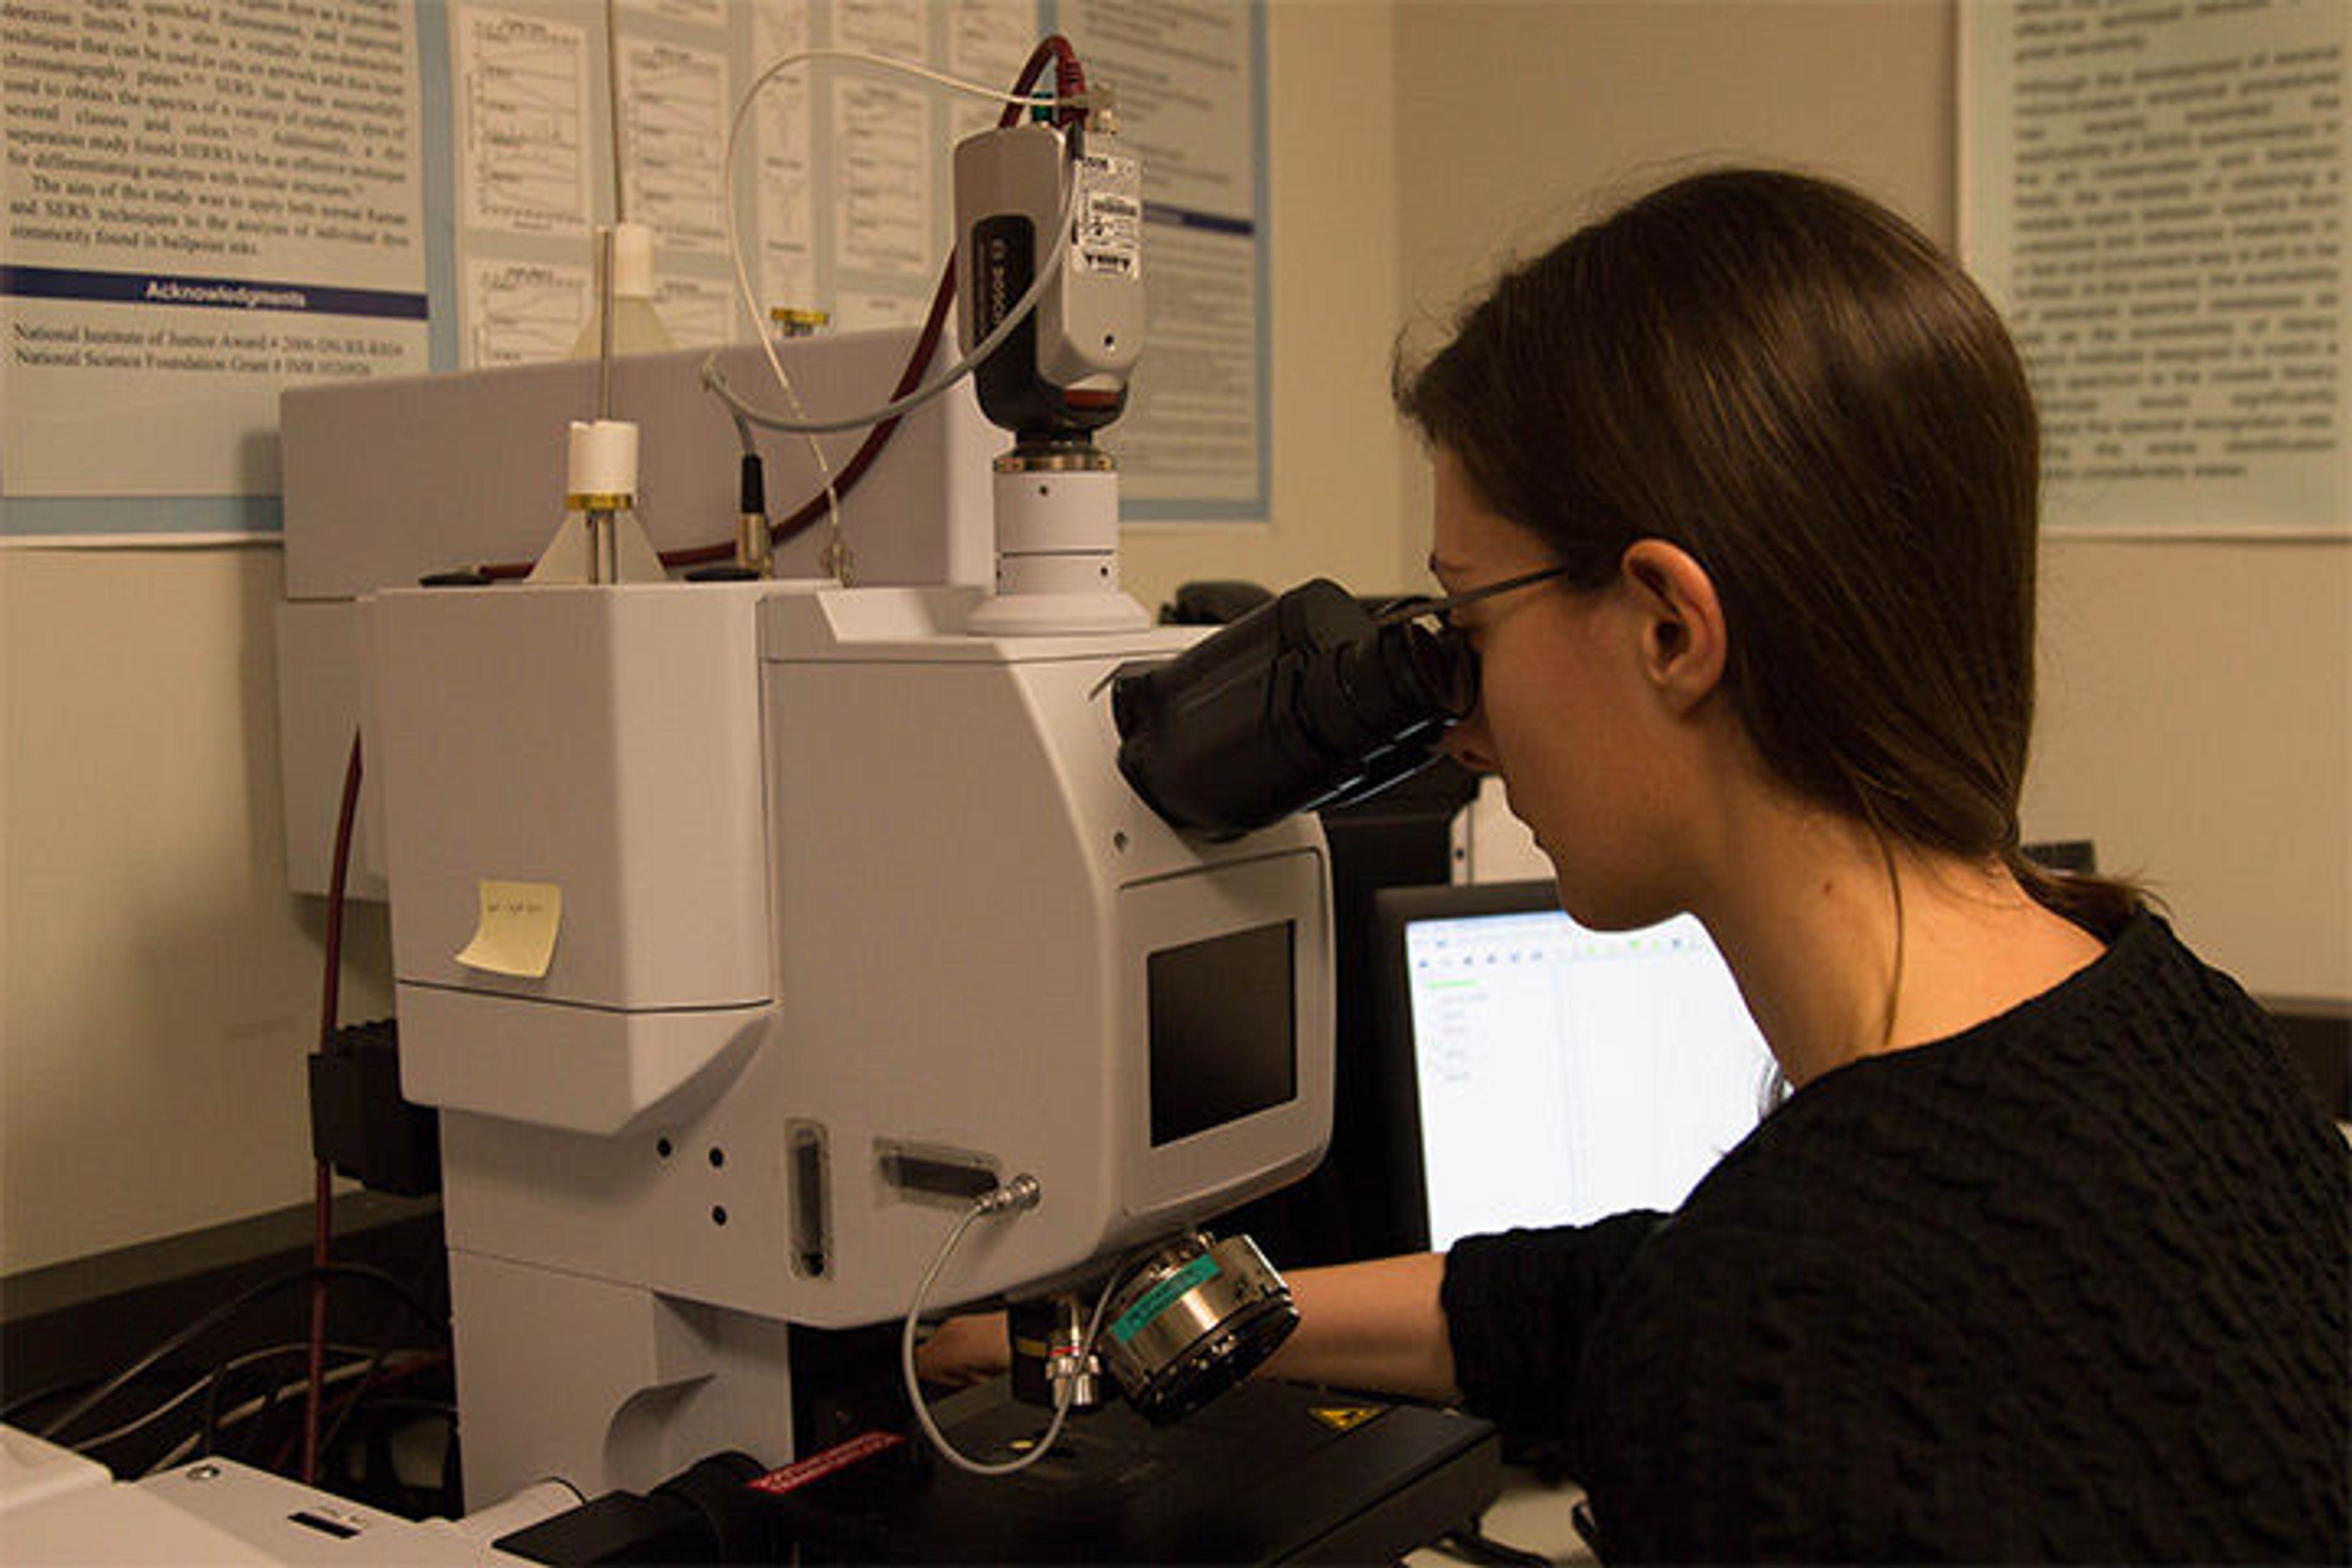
[2073,1284]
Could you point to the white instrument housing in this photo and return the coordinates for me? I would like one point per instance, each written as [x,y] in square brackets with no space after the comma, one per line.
[856,918]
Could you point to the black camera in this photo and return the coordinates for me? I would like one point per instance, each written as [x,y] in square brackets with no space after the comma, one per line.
[1310,700]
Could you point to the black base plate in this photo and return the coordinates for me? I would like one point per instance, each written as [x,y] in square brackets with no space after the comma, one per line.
[1269,1473]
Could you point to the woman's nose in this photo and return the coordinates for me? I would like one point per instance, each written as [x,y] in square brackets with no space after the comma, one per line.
[1466,744]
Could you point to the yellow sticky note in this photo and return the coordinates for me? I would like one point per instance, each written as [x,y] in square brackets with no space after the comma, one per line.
[516,932]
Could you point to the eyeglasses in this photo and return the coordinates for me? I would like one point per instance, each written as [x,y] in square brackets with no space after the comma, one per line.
[1421,604]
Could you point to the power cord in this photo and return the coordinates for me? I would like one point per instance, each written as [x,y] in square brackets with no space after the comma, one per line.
[55,1430]
[1470,1541]
[354,1357]
[715,381]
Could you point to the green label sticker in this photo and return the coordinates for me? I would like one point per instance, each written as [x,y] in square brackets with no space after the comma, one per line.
[1138,1317]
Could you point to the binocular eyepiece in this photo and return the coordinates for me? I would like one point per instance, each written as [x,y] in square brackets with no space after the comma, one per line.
[1307,702]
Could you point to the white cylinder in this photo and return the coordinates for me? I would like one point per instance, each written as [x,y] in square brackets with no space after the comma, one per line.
[1092,572]
[1052,513]
[632,261]
[1056,614]
[1056,557]
[603,460]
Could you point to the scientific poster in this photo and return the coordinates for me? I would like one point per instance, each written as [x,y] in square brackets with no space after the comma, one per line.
[2155,197]
[209,201]
[1186,76]
[204,203]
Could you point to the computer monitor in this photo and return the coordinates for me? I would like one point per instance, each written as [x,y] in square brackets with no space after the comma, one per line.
[1542,1073]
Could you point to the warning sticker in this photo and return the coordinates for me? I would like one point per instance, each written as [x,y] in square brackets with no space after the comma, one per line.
[816,1467]
[1344,1417]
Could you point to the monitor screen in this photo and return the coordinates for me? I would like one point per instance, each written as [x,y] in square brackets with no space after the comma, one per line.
[1560,1075]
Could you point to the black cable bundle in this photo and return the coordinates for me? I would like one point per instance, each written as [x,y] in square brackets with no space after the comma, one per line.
[248,1405]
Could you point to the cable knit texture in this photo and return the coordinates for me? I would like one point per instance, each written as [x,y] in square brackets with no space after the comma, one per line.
[2071,1285]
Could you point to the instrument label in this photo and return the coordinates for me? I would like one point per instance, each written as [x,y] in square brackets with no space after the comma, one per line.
[1138,1317]
[1107,231]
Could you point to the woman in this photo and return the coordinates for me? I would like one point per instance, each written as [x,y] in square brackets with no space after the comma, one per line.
[2047,1253]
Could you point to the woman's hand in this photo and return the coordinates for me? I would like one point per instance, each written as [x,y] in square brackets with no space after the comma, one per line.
[964,1351]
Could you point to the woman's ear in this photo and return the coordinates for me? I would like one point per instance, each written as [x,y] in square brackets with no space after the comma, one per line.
[1685,642]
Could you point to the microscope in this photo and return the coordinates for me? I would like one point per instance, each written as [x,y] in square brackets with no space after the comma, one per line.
[786,958]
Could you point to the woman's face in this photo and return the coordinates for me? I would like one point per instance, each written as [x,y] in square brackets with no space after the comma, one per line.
[1563,715]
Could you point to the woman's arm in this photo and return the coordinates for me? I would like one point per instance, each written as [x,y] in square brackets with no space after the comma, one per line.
[1375,1326]
[1520,1306]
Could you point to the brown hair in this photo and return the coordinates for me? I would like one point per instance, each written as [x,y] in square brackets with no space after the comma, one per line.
[1796,386]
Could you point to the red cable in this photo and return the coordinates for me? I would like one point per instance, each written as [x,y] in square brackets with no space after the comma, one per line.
[322,1176]
[1069,82]
[868,450]
[376,1379]
[321,1195]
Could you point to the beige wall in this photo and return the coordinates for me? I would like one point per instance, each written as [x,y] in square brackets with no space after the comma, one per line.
[1338,454]
[161,985]
[1516,120]
[161,990]
[2197,698]
[2197,721]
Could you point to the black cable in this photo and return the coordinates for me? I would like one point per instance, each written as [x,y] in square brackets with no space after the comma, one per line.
[334,1432]
[414,1404]
[208,1430]
[211,1385]
[453,1471]
[11,1412]
[377,1405]
[365,1413]
[1479,1547]
[368,1380]
[247,1446]
[210,1440]
[227,1311]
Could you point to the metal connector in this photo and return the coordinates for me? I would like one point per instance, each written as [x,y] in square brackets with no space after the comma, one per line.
[1021,1193]
[1073,1373]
